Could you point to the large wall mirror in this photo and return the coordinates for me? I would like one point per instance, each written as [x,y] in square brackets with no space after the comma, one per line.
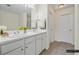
[14,15]
[29,15]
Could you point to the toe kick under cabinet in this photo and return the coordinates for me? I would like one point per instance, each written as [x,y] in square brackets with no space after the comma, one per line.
[32,45]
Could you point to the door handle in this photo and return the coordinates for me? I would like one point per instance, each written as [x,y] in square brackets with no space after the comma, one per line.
[22,49]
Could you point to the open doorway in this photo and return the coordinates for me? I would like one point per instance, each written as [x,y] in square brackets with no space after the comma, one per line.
[61,27]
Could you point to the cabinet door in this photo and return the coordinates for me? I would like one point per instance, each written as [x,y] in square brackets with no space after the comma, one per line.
[30,48]
[18,51]
[44,41]
[43,44]
[38,44]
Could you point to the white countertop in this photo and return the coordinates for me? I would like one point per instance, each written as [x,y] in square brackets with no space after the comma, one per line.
[4,40]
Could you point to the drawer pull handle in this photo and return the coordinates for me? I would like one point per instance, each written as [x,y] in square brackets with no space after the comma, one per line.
[22,49]
[26,47]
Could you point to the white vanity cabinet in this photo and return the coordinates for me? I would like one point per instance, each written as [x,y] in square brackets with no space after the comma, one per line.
[35,44]
[13,48]
[30,46]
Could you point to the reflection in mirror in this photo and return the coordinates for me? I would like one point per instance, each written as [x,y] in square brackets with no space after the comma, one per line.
[15,15]
[22,16]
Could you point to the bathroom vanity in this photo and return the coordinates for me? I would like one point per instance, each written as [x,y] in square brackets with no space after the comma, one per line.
[19,43]
[30,43]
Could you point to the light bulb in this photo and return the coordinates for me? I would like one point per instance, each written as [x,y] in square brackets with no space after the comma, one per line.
[60,5]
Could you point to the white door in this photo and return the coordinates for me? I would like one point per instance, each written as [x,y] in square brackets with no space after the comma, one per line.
[44,37]
[51,27]
[66,27]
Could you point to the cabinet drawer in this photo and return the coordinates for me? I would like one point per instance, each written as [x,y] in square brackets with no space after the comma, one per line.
[9,47]
[28,40]
[18,51]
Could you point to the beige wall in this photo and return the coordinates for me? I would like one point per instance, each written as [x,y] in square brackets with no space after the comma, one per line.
[9,19]
[23,19]
[0,19]
[12,20]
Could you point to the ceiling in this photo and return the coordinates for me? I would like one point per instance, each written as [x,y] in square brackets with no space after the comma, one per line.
[17,8]
[21,8]
[55,6]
